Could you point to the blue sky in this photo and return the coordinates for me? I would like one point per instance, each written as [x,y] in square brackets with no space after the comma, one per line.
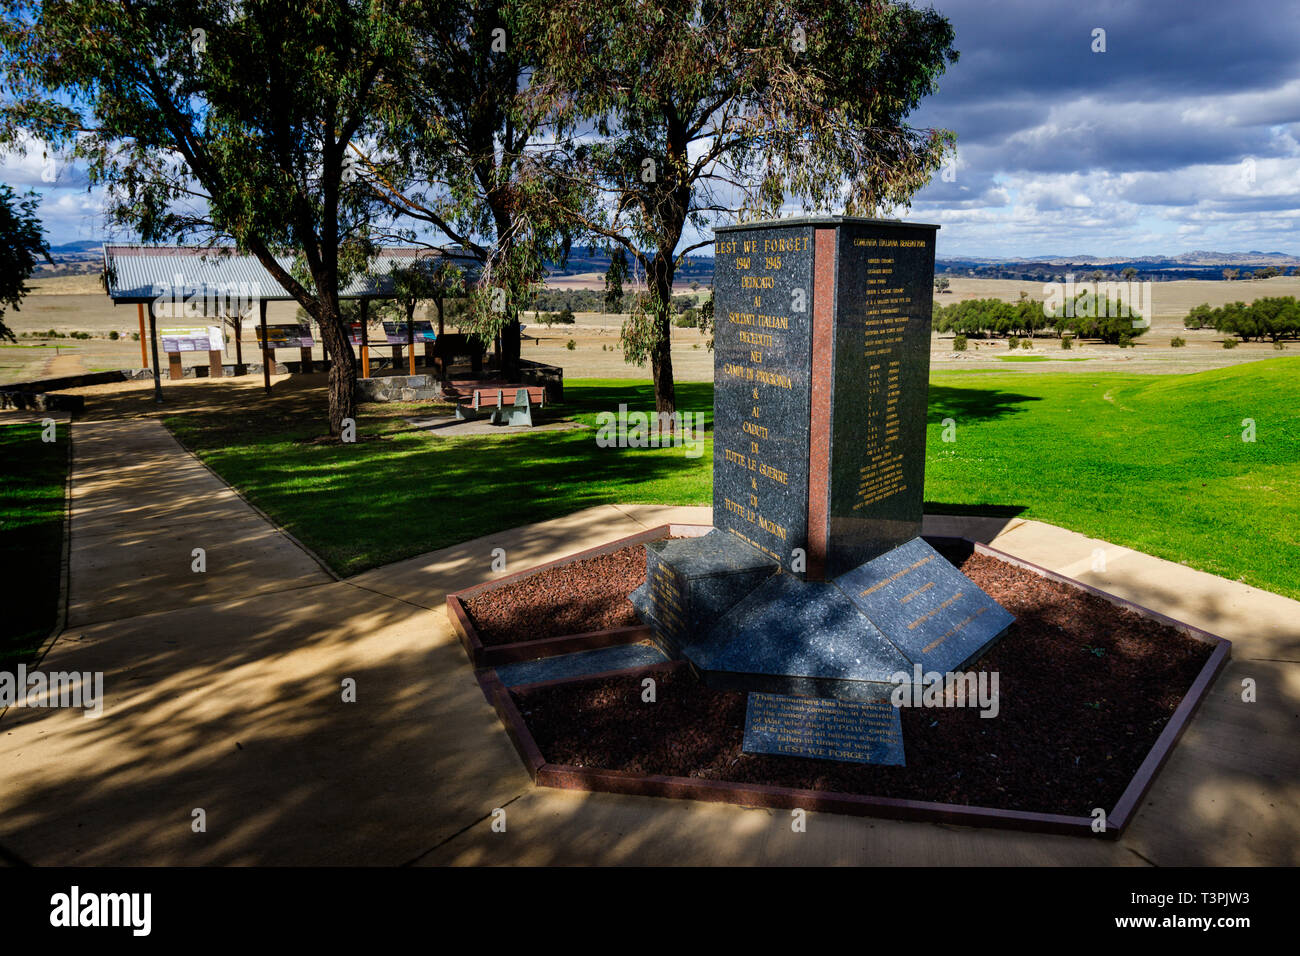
[1183,135]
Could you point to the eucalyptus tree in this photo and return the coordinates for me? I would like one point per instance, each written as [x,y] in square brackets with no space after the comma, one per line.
[22,245]
[685,113]
[472,157]
[216,121]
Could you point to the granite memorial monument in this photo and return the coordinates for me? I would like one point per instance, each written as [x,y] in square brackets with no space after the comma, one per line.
[815,580]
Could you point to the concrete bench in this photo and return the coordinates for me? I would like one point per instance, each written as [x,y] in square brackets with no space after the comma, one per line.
[505,405]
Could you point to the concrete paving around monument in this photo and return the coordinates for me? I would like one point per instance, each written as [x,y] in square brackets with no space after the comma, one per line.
[225,696]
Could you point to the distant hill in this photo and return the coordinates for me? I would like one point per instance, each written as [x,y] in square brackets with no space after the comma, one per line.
[695,267]
[1190,265]
[82,245]
[83,255]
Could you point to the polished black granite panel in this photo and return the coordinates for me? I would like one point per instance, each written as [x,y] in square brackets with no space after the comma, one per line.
[796,636]
[928,609]
[715,553]
[762,364]
[691,582]
[884,288]
[867,731]
[580,664]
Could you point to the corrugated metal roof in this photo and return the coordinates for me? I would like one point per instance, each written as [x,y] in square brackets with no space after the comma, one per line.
[146,273]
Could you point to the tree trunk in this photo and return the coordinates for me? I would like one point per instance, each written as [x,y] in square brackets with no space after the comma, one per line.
[661,356]
[343,371]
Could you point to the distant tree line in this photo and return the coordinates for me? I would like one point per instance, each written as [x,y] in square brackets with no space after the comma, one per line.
[1268,272]
[1274,318]
[1088,317]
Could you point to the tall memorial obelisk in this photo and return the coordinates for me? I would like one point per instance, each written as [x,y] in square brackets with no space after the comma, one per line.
[815,580]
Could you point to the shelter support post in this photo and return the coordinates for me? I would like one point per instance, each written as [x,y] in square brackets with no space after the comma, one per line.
[268,353]
[153,340]
[365,338]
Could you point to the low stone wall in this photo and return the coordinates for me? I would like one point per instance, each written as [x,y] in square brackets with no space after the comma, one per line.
[550,377]
[77,381]
[42,401]
[400,388]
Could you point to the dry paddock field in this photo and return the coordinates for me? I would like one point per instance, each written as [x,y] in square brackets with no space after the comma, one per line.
[77,303]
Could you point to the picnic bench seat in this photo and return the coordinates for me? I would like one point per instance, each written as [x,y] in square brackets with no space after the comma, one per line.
[504,404]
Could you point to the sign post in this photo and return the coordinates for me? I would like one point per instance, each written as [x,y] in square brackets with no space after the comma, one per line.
[365,338]
[144,355]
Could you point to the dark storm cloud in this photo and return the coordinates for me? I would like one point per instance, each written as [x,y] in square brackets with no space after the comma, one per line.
[1150,131]
[1022,62]
[1154,49]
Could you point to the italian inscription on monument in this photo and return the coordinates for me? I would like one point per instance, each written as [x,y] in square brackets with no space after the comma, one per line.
[762,381]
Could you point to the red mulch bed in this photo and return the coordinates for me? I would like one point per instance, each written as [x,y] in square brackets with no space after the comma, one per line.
[578,598]
[1085,690]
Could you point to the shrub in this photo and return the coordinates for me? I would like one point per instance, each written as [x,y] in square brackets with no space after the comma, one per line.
[135,336]
[1279,346]
[1012,342]
[80,335]
[1125,341]
[570,345]
[114,335]
[959,343]
[687,320]
[1067,342]
[1177,342]
[565,317]
[1199,317]
[1026,343]
[1229,343]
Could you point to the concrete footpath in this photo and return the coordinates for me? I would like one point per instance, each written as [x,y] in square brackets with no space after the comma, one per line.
[224,694]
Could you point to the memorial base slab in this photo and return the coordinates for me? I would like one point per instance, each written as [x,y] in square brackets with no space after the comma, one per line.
[580,720]
[742,623]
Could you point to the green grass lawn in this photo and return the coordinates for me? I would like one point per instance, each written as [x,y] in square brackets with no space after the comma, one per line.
[397,492]
[1150,462]
[33,476]
[1155,463]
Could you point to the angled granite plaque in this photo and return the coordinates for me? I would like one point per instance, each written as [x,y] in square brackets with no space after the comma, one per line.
[793,636]
[928,609]
[865,731]
[691,582]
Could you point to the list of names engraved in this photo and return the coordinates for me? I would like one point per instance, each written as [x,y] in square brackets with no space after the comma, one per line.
[888,307]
